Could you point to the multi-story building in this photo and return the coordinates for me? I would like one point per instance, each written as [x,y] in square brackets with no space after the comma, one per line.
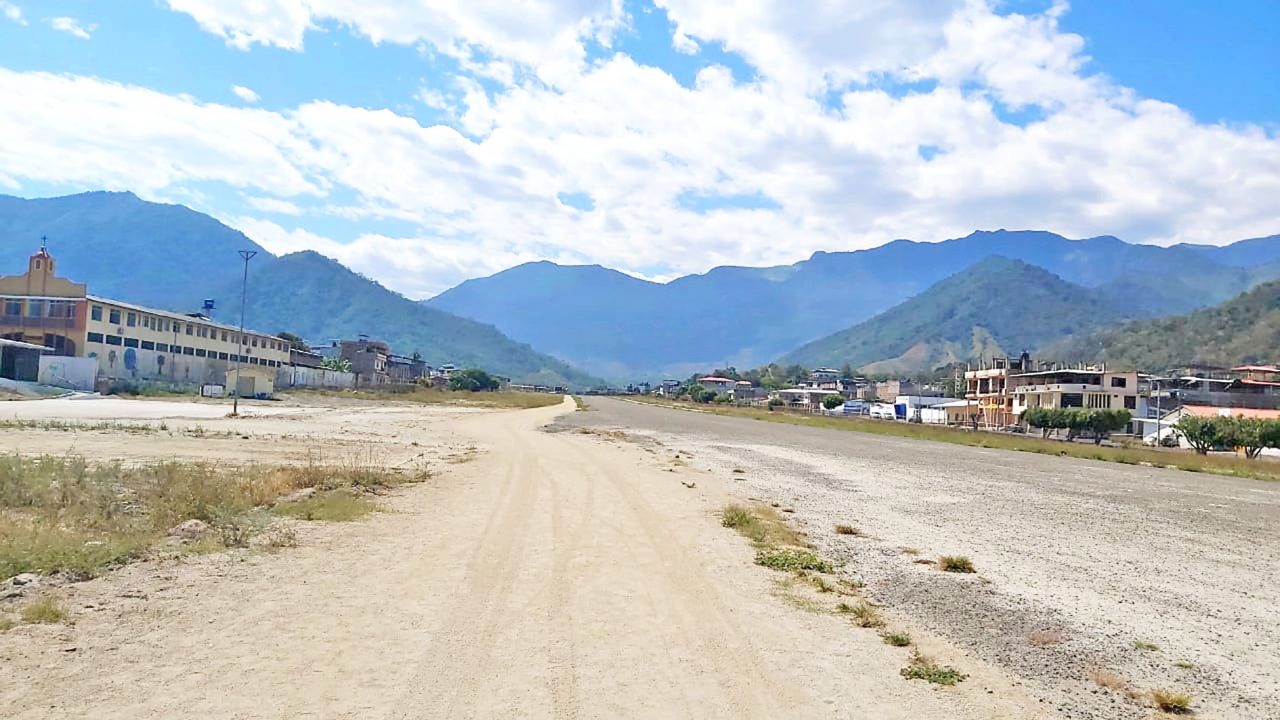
[989,385]
[1004,388]
[128,341]
[368,360]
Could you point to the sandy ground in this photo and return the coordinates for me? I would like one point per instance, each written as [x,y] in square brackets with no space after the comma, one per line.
[556,574]
[1102,554]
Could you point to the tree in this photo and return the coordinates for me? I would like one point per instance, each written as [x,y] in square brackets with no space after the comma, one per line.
[1202,433]
[295,341]
[1105,422]
[472,380]
[336,364]
[832,401]
[1252,434]
[700,394]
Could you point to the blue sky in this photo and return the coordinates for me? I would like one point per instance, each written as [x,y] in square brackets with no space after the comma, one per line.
[703,132]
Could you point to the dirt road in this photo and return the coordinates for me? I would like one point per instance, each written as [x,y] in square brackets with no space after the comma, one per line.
[557,575]
[1164,578]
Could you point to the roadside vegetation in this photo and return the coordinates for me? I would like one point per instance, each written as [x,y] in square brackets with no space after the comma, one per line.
[498,399]
[71,516]
[578,401]
[1154,457]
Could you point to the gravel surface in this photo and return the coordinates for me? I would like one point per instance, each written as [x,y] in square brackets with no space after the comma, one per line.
[1093,558]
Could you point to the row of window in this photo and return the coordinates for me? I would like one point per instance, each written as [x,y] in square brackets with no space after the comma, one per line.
[161,324]
[128,342]
[56,309]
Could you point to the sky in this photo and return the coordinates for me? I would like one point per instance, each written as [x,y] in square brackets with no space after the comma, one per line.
[424,142]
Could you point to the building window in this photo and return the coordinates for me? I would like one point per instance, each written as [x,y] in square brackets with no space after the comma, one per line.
[95,337]
[96,313]
[131,342]
[162,347]
[131,320]
[222,356]
[201,353]
[191,329]
[148,345]
[35,308]
[13,308]
[1118,382]
[1130,402]
[114,317]
[224,336]
[255,342]
[188,351]
[114,340]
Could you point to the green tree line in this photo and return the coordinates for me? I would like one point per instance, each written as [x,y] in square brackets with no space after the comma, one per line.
[1099,421]
[1249,434]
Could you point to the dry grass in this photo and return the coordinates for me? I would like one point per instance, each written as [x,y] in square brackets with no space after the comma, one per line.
[1157,457]
[762,526]
[6,624]
[848,530]
[955,564]
[1145,646]
[896,639]
[430,396]
[863,614]
[1185,665]
[1044,638]
[45,611]
[1170,701]
[65,514]
[1108,680]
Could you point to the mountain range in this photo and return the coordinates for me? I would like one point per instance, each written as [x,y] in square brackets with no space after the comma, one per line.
[172,257]
[1244,330]
[996,307]
[619,326]
[904,306]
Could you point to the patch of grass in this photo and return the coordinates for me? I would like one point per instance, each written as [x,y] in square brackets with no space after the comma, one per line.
[1044,638]
[847,530]
[924,668]
[1170,701]
[65,514]
[1185,665]
[502,399]
[1157,457]
[896,639]
[279,537]
[791,560]
[580,403]
[762,525]
[7,624]
[955,564]
[863,614]
[45,611]
[1144,645]
[332,506]
[910,551]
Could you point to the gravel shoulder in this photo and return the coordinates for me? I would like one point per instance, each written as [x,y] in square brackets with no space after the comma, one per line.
[1099,555]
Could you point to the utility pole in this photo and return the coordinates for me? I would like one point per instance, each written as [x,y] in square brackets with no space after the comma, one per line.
[246,255]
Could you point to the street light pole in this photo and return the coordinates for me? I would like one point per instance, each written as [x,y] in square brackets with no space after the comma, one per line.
[246,255]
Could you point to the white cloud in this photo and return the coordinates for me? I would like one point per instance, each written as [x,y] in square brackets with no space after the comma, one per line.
[816,134]
[544,34]
[12,12]
[245,94]
[72,26]
[273,205]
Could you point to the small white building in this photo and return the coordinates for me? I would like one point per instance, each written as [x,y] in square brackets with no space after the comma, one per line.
[717,384]
[951,412]
[907,407]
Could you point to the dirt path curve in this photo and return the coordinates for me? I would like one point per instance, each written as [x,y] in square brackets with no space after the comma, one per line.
[557,575]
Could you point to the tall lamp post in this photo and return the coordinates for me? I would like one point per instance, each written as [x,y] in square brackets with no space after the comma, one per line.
[245,255]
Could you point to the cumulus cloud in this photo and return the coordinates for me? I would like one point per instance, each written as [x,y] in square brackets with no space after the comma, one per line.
[245,94]
[71,26]
[12,12]
[838,154]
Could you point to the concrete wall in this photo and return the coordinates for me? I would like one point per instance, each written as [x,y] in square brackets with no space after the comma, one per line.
[305,377]
[73,373]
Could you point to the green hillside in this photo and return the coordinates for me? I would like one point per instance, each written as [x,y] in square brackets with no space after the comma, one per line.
[997,306]
[1243,330]
[310,295]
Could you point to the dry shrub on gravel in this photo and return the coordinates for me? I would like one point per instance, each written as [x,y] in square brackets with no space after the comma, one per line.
[66,514]
[45,611]
[1170,701]
[1107,679]
[955,564]
[1043,638]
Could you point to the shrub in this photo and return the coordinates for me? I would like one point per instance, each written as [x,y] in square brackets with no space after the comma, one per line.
[896,639]
[924,668]
[833,401]
[791,560]
[45,611]
[1171,702]
[736,516]
[776,403]
[473,380]
[864,615]
[955,564]
[847,530]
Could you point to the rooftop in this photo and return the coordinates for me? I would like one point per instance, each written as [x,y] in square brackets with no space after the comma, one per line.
[182,317]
